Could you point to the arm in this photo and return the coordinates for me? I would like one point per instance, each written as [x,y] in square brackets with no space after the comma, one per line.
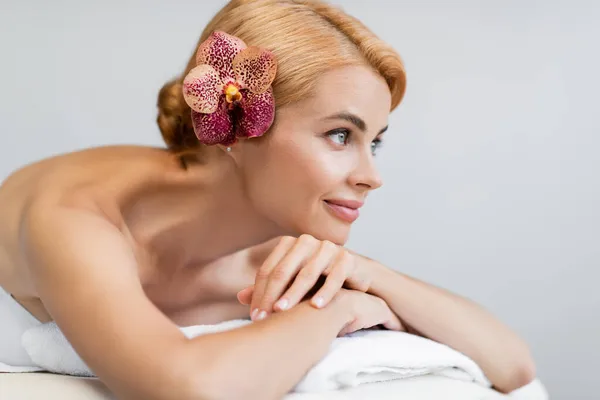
[422,308]
[457,322]
[87,276]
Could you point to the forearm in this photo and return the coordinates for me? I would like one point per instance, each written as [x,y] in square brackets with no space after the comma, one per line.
[266,359]
[459,323]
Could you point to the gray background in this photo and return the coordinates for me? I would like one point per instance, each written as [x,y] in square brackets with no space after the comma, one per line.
[491,165]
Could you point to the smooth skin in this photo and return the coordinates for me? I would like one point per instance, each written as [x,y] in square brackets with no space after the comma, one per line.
[119,245]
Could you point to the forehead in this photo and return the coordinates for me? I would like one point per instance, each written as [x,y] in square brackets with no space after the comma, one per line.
[355,89]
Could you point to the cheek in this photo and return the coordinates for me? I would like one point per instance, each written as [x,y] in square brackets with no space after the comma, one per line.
[294,175]
[309,171]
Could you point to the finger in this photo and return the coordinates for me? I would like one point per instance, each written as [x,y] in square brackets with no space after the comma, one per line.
[285,272]
[244,296]
[358,279]
[308,276]
[333,284]
[394,323]
[349,328]
[391,322]
[260,282]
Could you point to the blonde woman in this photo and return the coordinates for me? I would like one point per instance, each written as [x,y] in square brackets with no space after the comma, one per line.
[271,131]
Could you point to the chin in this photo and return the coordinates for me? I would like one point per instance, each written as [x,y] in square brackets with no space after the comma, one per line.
[333,231]
[321,226]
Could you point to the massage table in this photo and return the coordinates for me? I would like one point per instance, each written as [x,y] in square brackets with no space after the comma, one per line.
[46,386]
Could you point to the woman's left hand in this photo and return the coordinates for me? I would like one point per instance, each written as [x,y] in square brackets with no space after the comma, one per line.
[293,268]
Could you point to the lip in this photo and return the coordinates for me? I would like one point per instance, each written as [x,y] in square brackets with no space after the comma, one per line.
[346,210]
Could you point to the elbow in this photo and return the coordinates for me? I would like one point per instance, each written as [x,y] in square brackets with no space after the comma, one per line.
[521,373]
[524,374]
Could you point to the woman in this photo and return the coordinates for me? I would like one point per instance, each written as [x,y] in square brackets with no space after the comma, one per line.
[119,245]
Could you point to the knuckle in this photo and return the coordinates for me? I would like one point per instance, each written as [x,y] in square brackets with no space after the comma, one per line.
[287,240]
[263,273]
[343,259]
[347,263]
[306,238]
[308,273]
[279,274]
[328,246]
[347,257]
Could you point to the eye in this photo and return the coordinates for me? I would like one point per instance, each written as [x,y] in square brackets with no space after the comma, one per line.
[375,145]
[339,136]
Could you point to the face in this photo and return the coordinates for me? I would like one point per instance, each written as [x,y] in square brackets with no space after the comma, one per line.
[315,168]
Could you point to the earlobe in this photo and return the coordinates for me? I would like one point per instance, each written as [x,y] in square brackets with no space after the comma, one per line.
[230,151]
[226,149]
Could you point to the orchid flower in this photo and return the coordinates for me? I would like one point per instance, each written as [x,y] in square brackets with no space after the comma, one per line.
[229,90]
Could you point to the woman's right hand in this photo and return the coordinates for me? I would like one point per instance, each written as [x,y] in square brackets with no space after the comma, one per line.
[366,311]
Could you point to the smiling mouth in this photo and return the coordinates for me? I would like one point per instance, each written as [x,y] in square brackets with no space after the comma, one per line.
[345,213]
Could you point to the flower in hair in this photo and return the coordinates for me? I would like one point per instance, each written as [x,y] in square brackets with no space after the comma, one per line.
[229,90]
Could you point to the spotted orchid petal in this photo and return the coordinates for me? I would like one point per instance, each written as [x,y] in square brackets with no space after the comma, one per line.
[255,69]
[216,127]
[257,112]
[218,51]
[202,88]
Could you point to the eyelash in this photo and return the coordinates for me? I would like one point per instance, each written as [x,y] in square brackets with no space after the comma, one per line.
[375,144]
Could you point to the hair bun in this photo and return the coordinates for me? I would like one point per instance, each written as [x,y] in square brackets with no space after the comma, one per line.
[174,119]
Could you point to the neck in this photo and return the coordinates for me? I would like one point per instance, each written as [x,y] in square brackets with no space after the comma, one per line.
[199,215]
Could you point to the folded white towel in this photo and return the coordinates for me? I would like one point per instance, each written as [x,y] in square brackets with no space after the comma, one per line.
[362,357]
[379,356]
[374,356]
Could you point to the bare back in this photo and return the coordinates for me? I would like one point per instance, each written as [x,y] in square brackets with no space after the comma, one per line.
[99,181]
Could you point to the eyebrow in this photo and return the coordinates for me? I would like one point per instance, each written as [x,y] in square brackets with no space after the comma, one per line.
[354,119]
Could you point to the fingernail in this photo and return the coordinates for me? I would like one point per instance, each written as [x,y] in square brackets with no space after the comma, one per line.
[254,313]
[319,302]
[261,315]
[282,304]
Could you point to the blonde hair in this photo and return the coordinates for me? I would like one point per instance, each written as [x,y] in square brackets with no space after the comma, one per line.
[308,37]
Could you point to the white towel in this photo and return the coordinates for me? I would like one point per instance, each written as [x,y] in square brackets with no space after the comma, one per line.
[379,356]
[362,357]
[374,356]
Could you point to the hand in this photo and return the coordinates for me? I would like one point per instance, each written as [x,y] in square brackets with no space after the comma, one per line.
[366,311]
[293,268]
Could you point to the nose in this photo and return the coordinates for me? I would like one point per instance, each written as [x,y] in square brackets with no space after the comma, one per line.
[366,176]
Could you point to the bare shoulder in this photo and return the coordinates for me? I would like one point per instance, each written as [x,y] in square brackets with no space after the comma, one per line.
[63,175]
[86,275]
[54,230]
[74,169]
[81,187]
